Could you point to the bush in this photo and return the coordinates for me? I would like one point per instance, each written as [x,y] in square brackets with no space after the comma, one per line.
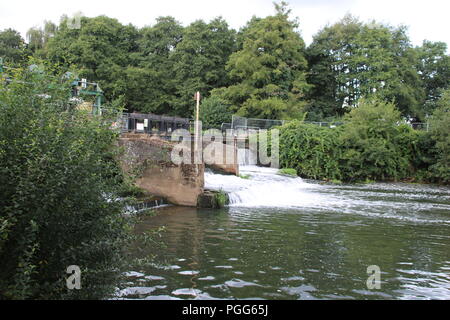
[440,135]
[311,150]
[58,185]
[372,145]
[375,145]
[213,112]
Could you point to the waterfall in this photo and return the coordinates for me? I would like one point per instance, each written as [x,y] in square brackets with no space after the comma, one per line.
[264,188]
[247,157]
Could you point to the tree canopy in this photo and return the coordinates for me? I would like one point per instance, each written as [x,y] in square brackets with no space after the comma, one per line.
[269,71]
[263,70]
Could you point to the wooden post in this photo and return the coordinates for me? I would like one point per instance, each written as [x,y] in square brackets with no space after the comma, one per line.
[197,158]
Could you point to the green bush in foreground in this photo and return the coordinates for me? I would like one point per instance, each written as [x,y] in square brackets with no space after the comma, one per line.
[58,185]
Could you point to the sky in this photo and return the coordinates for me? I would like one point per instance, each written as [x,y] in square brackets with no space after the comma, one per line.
[425,19]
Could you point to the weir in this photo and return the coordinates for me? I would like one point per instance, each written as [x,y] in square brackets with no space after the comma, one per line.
[147,158]
[263,187]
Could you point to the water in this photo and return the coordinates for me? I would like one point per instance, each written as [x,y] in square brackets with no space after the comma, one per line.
[286,238]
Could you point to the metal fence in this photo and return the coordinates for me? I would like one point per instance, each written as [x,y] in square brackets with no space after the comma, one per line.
[243,124]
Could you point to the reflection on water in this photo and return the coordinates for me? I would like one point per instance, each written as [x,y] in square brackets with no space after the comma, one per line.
[318,250]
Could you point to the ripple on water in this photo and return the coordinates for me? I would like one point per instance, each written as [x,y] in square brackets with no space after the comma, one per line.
[238,283]
[189,273]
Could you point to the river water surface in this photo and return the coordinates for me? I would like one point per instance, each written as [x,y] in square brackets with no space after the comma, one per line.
[286,238]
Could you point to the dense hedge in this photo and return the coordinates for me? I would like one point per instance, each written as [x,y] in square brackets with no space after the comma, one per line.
[311,150]
[373,144]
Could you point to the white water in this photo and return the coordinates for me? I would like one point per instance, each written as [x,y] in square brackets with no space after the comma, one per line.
[264,188]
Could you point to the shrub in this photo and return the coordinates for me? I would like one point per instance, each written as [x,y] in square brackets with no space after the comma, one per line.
[372,145]
[311,150]
[375,145]
[440,133]
[213,112]
[58,185]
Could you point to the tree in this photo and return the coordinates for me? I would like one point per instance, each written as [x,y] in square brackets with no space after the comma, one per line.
[58,190]
[12,47]
[199,61]
[38,37]
[350,60]
[151,84]
[99,51]
[433,65]
[269,71]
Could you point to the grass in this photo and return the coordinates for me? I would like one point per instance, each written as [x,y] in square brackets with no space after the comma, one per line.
[288,172]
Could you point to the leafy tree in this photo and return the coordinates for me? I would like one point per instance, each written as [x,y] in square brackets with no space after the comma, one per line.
[350,60]
[151,84]
[38,37]
[313,151]
[434,70]
[12,46]
[269,71]
[58,185]
[99,50]
[199,61]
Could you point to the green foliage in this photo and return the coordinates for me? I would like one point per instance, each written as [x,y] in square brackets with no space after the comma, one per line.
[151,83]
[311,150]
[199,61]
[268,72]
[245,176]
[213,112]
[99,51]
[58,185]
[440,135]
[221,199]
[12,47]
[38,38]
[288,172]
[433,65]
[372,145]
[350,59]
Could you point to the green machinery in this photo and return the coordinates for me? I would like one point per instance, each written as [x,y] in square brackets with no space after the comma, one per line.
[79,88]
[83,88]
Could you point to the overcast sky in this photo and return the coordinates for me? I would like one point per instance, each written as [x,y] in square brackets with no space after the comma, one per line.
[426,19]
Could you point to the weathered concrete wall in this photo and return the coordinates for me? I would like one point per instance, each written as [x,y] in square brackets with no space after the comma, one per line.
[148,160]
[227,162]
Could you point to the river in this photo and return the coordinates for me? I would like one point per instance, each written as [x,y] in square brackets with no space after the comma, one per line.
[287,238]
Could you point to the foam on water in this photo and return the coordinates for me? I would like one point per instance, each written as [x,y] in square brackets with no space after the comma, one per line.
[264,188]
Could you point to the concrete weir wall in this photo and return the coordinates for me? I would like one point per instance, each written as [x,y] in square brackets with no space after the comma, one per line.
[148,160]
[227,160]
